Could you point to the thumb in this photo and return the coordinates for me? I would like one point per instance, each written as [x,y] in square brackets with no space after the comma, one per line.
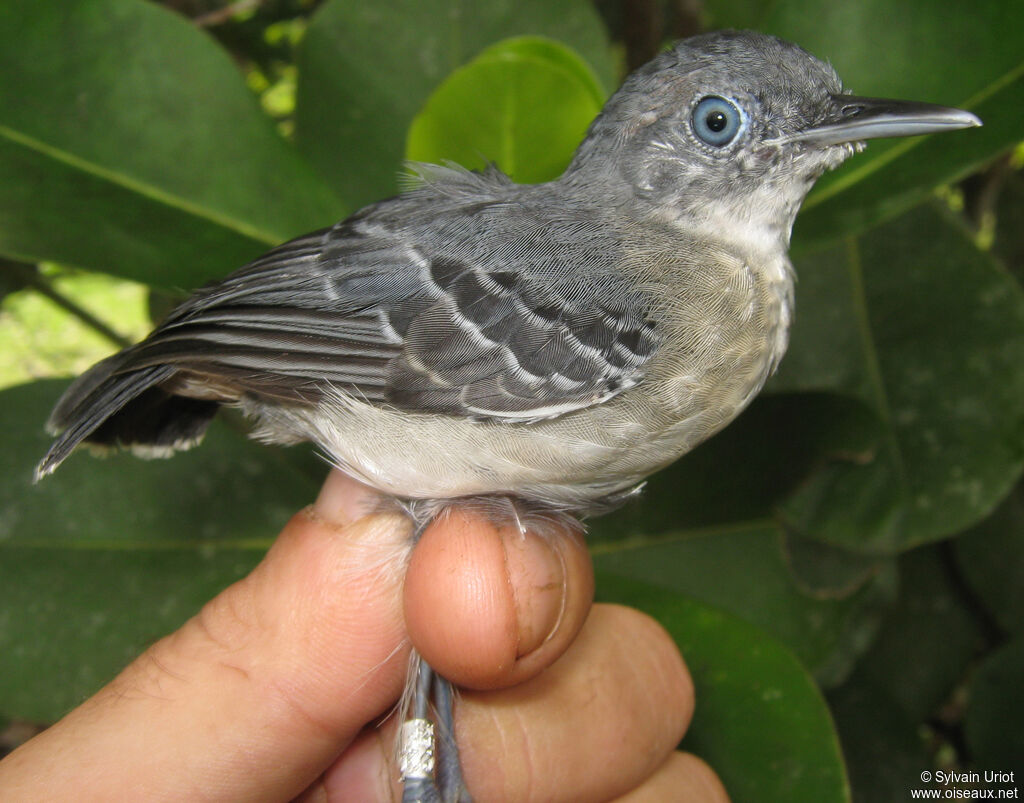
[489,606]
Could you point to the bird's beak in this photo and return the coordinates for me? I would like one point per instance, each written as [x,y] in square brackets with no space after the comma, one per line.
[857,118]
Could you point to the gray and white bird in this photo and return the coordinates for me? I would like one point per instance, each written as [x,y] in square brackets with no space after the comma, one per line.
[555,343]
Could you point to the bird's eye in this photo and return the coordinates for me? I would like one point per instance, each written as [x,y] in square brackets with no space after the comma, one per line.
[716,121]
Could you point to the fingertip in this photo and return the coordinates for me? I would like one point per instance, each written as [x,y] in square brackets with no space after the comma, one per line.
[621,693]
[366,770]
[343,499]
[657,654]
[683,778]
[458,607]
[702,781]
[489,606]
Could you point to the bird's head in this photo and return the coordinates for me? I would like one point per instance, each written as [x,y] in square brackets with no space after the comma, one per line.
[740,124]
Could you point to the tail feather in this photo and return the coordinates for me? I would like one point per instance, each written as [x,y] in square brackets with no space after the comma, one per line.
[72,400]
[111,406]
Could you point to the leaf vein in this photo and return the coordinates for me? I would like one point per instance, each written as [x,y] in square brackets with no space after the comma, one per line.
[134,185]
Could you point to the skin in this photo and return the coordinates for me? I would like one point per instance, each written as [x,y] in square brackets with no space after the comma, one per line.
[280,688]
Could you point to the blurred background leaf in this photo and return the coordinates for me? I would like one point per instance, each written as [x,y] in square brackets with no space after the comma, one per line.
[116,552]
[858,529]
[943,374]
[130,144]
[763,724]
[746,571]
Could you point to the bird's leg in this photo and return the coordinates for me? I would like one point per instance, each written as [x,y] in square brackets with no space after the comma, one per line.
[416,742]
[424,744]
[449,767]
[428,754]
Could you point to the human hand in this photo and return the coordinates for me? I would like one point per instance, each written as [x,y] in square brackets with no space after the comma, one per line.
[282,685]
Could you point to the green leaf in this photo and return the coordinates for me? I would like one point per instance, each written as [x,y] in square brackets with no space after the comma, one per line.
[365,70]
[1005,219]
[129,143]
[760,720]
[745,471]
[912,318]
[996,710]
[991,557]
[825,571]
[109,554]
[744,570]
[927,641]
[924,646]
[921,53]
[875,191]
[523,104]
[884,752]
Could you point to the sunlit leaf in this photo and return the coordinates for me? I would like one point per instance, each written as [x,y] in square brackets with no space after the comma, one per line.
[522,104]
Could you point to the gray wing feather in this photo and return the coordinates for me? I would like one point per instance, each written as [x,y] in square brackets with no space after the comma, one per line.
[474,307]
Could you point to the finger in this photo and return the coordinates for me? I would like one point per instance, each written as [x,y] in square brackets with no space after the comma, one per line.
[594,725]
[488,606]
[280,671]
[599,722]
[683,778]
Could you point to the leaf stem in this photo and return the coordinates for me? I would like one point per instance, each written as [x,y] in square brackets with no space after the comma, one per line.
[875,378]
[32,278]
[221,15]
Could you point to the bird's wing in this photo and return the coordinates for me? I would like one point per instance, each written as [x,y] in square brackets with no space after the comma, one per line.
[486,312]
[472,307]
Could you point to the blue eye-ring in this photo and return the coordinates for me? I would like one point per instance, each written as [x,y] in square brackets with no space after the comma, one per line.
[716,121]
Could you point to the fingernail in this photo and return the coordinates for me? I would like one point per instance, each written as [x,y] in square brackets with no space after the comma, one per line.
[537,574]
[343,500]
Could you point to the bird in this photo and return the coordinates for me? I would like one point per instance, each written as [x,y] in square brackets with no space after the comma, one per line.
[542,348]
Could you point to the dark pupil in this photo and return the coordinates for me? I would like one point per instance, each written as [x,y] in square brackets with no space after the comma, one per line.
[716,121]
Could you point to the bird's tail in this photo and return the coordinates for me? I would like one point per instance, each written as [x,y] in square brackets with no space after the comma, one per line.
[112,404]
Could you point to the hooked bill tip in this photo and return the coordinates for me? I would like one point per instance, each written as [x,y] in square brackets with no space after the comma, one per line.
[973,121]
